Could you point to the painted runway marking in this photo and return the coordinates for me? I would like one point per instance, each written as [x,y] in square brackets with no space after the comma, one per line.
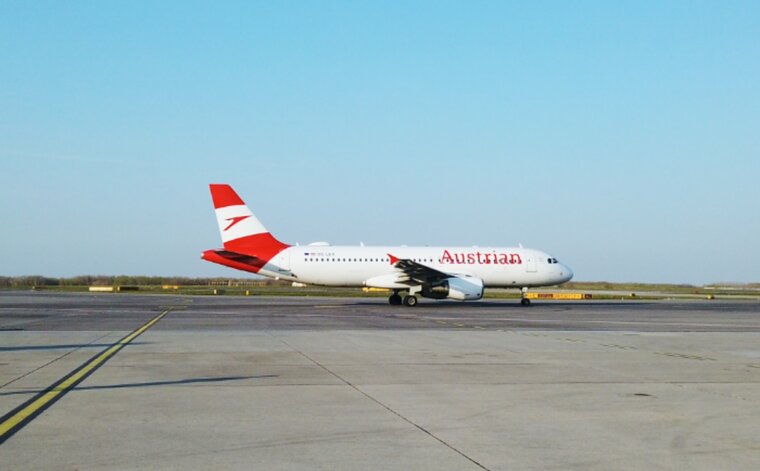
[16,419]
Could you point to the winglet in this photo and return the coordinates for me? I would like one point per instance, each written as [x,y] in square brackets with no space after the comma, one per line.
[394,260]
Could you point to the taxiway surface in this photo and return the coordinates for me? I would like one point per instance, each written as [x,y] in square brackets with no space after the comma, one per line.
[352,383]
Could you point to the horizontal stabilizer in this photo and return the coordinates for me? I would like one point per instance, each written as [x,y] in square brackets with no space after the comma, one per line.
[234,260]
[239,257]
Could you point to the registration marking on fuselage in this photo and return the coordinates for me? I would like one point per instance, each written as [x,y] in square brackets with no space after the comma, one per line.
[16,419]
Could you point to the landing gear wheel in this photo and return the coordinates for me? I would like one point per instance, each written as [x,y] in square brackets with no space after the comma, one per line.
[524,296]
[395,300]
[410,301]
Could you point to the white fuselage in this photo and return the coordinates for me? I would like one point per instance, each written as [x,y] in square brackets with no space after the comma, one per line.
[371,266]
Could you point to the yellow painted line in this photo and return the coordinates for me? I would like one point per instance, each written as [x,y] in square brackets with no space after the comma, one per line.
[14,420]
[565,296]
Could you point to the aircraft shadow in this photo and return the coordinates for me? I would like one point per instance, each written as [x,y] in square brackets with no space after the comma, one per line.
[515,304]
[21,348]
[147,384]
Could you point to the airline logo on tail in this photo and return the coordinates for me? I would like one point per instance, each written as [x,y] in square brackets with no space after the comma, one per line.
[235,220]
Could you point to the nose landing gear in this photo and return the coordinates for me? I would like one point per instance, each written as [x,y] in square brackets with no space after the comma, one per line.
[524,296]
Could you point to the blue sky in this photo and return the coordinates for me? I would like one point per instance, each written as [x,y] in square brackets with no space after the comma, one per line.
[622,137]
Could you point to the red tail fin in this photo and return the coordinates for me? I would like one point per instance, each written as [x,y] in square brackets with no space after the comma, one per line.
[241,231]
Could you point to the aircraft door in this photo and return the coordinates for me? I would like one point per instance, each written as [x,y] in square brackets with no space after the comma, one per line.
[530,265]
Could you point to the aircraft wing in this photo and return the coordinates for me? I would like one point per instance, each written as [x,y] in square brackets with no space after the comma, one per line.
[417,272]
[434,283]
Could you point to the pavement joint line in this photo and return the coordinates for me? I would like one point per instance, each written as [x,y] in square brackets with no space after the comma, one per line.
[384,406]
[22,415]
[54,360]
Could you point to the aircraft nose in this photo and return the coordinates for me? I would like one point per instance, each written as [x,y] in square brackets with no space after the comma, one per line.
[566,273]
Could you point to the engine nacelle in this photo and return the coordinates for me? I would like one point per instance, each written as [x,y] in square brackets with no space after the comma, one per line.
[459,288]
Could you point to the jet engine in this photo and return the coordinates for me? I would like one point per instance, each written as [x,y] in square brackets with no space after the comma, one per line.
[459,288]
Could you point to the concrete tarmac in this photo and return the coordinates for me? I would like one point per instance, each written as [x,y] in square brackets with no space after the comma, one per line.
[336,383]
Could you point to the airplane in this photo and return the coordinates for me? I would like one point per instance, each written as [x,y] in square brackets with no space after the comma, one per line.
[458,273]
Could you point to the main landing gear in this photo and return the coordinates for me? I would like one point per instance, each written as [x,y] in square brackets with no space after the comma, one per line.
[524,296]
[408,300]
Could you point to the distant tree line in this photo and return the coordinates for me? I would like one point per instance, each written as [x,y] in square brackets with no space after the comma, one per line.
[121,280]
